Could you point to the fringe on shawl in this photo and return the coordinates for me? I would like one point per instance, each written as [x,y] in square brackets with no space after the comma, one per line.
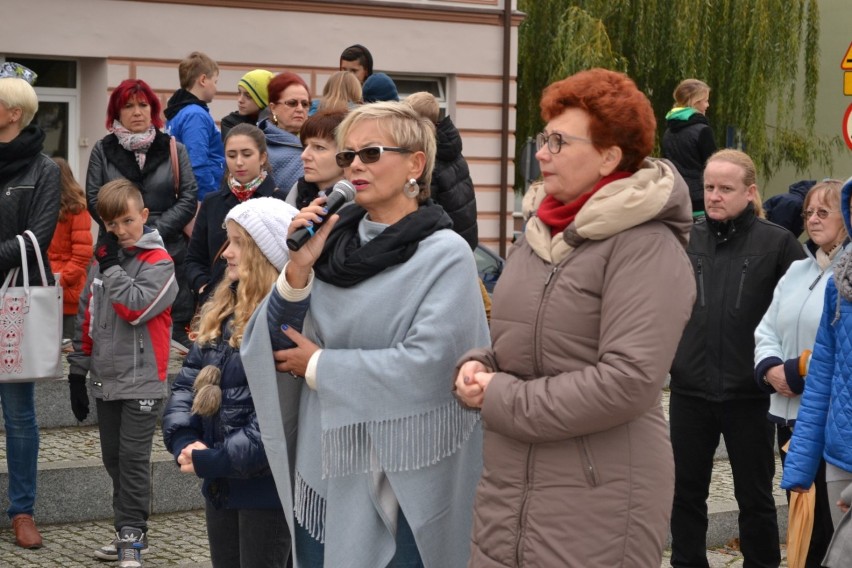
[309,509]
[399,444]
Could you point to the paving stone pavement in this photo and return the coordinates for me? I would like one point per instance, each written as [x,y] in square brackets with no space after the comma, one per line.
[177,539]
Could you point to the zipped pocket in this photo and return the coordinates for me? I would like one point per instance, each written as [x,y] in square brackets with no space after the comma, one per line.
[699,271]
[742,283]
[586,461]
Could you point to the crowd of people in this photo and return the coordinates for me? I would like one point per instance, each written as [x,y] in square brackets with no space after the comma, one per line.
[359,400]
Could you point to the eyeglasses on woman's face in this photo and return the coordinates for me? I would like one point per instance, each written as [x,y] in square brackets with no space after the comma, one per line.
[293,103]
[821,213]
[367,155]
[554,141]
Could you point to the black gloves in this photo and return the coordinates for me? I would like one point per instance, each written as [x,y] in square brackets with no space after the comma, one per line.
[79,396]
[106,250]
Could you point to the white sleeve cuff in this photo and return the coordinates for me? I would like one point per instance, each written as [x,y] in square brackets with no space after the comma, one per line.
[311,370]
[288,292]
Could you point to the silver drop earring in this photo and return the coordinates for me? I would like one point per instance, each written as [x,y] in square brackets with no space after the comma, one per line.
[411,189]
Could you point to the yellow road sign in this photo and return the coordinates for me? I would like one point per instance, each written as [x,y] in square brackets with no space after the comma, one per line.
[847,83]
[846,63]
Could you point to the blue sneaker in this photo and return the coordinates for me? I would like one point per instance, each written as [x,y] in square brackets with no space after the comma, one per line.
[110,552]
[129,547]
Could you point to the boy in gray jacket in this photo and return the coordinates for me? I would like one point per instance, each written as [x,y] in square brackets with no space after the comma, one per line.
[122,340]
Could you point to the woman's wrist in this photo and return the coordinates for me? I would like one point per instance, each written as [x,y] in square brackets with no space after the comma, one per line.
[297,276]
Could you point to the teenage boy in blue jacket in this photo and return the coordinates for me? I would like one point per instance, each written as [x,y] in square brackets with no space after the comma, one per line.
[189,121]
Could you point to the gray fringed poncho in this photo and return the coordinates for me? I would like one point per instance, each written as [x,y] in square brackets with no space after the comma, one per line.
[383,415]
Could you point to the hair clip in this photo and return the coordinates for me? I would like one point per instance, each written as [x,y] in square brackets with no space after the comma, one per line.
[16,70]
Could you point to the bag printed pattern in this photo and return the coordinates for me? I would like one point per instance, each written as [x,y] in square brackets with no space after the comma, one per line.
[11,332]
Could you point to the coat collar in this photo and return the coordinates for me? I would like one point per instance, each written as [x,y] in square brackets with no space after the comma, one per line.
[727,230]
[125,161]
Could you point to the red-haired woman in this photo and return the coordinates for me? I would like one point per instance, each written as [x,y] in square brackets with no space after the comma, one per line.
[136,149]
[289,100]
[70,251]
[586,318]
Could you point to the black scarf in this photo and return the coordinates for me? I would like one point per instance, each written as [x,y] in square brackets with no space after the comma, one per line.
[345,262]
[307,191]
[18,154]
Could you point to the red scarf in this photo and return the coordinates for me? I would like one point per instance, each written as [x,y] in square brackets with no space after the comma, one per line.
[558,215]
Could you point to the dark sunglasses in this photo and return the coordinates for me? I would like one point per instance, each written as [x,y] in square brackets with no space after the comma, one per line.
[367,155]
[293,103]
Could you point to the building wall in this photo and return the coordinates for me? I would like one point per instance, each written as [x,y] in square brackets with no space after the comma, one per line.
[116,39]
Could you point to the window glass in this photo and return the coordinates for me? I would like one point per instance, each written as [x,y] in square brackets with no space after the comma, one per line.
[407,85]
[57,73]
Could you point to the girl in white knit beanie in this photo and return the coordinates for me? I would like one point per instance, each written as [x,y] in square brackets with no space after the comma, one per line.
[210,424]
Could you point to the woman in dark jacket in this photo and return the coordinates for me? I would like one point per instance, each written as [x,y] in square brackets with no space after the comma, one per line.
[135,149]
[452,186]
[248,163]
[29,200]
[210,424]
[688,140]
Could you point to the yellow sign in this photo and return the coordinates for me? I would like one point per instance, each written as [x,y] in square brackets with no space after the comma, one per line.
[847,83]
[846,63]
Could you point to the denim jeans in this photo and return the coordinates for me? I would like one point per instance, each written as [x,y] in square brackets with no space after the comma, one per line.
[18,403]
[311,552]
[248,538]
[696,425]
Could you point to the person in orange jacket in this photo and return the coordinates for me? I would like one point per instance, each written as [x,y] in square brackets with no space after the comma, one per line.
[70,251]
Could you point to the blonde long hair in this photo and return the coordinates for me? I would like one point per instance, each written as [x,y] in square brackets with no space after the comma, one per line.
[256,274]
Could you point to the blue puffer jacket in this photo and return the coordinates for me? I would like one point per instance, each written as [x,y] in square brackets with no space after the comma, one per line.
[824,425]
[235,468]
[285,155]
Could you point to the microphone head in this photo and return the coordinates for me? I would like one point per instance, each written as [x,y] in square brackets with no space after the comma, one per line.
[345,188]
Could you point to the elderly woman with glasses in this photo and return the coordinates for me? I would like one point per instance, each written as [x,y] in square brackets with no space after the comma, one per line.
[289,100]
[386,461]
[587,315]
[786,334]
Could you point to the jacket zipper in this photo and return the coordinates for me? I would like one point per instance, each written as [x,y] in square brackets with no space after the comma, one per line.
[742,282]
[11,187]
[700,283]
[588,466]
[536,368]
[814,283]
[523,512]
[536,371]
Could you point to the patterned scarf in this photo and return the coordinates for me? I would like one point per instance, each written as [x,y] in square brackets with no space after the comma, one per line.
[136,142]
[244,192]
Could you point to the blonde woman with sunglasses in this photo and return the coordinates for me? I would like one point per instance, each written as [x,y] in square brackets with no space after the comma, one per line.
[289,100]
[387,461]
[786,334]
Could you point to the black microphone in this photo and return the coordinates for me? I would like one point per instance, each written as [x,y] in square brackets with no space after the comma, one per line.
[342,193]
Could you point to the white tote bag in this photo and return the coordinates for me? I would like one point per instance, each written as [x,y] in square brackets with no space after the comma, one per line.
[30,324]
